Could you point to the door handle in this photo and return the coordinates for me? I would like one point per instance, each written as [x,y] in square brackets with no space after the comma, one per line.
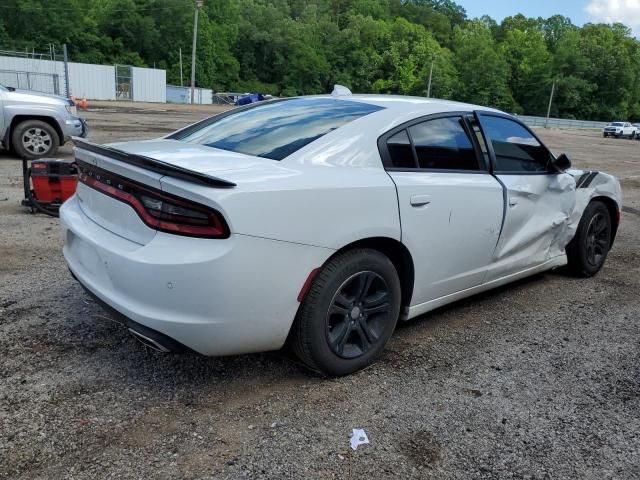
[420,200]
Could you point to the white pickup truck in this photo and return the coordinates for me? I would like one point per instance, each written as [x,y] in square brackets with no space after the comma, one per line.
[620,129]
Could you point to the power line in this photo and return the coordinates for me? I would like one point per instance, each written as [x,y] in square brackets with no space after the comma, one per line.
[48,8]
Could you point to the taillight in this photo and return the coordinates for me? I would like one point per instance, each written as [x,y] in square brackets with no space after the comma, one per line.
[159,210]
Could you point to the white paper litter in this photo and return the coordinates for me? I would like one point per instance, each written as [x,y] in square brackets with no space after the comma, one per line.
[358,437]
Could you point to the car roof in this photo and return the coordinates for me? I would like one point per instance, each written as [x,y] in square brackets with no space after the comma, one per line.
[402,103]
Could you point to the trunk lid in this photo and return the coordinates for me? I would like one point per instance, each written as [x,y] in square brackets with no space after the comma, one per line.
[221,166]
[112,214]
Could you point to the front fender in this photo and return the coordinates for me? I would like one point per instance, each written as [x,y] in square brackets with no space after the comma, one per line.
[37,111]
[12,111]
[591,184]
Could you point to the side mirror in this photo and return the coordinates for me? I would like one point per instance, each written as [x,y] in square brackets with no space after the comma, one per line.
[561,163]
[11,89]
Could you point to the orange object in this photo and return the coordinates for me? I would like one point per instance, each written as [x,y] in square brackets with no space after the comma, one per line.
[54,181]
[84,103]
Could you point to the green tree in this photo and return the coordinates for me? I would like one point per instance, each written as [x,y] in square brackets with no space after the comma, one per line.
[291,47]
[483,71]
[530,69]
[555,28]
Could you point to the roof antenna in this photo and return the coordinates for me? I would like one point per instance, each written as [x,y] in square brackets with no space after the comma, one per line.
[339,90]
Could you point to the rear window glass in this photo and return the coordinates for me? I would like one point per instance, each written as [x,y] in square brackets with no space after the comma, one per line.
[276,129]
[399,147]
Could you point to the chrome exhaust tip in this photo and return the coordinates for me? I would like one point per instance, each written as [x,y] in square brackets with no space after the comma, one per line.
[148,342]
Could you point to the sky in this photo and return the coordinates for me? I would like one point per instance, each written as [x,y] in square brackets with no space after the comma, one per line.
[579,11]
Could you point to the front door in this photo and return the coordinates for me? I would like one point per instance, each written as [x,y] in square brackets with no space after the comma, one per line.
[539,200]
[450,205]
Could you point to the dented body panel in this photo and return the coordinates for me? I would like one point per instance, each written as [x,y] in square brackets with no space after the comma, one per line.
[592,185]
[536,228]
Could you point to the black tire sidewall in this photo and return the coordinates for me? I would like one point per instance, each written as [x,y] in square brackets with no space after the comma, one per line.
[577,249]
[320,296]
[16,139]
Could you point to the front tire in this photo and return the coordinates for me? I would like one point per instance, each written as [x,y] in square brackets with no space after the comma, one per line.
[349,313]
[34,139]
[588,250]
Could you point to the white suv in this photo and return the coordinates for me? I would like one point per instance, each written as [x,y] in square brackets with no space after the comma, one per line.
[620,129]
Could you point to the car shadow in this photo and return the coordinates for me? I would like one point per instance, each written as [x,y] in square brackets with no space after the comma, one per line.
[107,340]
[478,299]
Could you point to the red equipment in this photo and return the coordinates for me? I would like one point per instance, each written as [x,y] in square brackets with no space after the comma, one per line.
[54,181]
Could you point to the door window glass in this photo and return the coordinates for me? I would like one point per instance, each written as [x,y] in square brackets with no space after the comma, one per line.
[443,144]
[515,148]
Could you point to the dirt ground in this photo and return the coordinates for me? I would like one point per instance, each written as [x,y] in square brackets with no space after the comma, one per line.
[540,379]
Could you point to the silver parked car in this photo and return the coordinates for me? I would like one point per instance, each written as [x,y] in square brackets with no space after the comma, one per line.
[34,125]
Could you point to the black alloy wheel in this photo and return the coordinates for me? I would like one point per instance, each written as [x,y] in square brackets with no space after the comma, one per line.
[587,251]
[597,239]
[349,312]
[358,314]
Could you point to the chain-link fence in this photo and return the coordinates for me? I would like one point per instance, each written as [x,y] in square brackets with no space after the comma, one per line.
[124,83]
[36,81]
[31,70]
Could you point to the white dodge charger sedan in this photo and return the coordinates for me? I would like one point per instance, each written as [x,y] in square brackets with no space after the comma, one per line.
[321,221]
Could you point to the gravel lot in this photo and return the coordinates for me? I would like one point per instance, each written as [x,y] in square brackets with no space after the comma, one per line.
[540,379]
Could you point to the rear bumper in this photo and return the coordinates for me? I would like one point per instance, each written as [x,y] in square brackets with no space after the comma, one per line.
[216,297]
[157,340]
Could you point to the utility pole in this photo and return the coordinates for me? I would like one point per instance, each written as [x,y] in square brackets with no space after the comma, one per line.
[553,89]
[433,59]
[181,83]
[66,70]
[193,50]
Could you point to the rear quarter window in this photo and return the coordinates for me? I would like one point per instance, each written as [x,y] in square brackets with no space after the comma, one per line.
[275,129]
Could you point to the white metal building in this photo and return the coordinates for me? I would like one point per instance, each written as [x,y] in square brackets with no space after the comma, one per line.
[94,82]
[176,94]
[149,85]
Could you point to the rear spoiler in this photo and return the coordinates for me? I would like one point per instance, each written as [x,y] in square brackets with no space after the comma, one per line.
[152,164]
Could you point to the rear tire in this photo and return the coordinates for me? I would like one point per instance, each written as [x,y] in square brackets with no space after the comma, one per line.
[34,139]
[349,313]
[588,250]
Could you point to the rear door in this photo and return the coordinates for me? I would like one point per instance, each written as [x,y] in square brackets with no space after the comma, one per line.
[628,129]
[450,205]
[538,199]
